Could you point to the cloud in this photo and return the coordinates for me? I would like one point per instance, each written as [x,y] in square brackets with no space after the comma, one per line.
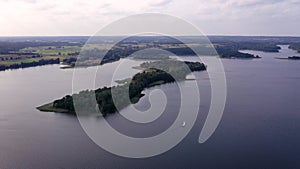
[245,17]
[250,3]
[27,1]
[160,2]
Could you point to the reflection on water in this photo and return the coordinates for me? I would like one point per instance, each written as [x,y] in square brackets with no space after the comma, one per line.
[259,129]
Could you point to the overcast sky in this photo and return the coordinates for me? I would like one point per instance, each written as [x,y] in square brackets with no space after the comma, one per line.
[213,17]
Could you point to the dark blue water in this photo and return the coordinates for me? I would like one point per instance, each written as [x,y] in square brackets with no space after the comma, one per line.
[259,129]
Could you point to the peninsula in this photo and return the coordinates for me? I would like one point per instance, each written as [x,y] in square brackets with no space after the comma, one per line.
[155,73]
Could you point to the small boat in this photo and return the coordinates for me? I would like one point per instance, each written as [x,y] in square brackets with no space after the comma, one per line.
[183,124]
[64,66]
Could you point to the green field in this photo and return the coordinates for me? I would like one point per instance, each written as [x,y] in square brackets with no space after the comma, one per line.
[29,60]
[19,61]
[51,50]
[47,53]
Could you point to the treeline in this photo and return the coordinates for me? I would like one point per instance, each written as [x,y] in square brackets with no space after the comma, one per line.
[104,98]
[178,69]
[116,53]
[7,47]
[265,47]
[152,57]
[230,49]
[88,56]
[228,52]
[30,64]
[181,51]
[150,40]
[69,61]
[294,57]
[225,49]
[295,46]
[249,45]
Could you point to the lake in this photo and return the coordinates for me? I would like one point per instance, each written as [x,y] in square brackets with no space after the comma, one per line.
[259,129]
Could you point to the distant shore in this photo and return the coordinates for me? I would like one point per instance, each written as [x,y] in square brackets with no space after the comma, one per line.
[289,58]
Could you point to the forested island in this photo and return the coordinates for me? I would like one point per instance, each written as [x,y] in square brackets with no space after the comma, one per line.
[155,73]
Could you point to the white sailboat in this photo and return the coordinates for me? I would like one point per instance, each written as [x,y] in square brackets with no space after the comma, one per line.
[183,124]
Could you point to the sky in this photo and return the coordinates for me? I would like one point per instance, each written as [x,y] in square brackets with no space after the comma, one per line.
[86,17]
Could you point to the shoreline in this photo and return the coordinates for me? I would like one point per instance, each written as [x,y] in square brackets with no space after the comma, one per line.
[141,81]
[49,108]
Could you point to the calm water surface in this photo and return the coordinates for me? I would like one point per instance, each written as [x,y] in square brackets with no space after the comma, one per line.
[259,129]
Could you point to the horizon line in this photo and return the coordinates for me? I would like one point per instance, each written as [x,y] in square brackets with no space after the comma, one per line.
[211,35]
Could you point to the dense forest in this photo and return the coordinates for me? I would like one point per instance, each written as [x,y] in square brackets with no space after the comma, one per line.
[30,64]
[158,72]
[229,52]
